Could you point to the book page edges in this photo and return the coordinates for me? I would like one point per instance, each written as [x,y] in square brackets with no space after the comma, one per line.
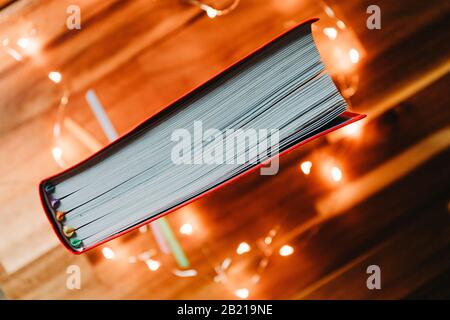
[352,117]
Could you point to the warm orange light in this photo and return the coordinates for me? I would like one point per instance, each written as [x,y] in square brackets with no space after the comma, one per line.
[186,229]
[341,24]
[55,76]
[353,130]
[243,247]
[354,55]
[329,11]
[336,174]
[153,265]
[268,240]
[286,250]
[28,46]
[330,33]
[242,293]
[211,12]
[185,273]
[108,253]
[57,153]
[306,167]
[23,43]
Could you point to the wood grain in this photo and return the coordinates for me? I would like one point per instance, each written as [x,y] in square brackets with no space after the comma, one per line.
[141,55]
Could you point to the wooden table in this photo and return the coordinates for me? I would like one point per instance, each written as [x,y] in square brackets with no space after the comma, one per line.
[391,209]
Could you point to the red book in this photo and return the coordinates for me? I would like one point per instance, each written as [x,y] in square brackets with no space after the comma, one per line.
[270,102]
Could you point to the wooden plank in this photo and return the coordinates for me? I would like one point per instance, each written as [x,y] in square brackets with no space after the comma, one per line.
[145,79]
[344,238]
[404,267]
[390,171]
[383,86]
[110,38]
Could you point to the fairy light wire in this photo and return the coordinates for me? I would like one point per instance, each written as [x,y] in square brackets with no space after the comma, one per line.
[211,11]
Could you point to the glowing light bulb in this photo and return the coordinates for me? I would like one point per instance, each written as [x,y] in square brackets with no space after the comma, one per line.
[108,253]
[242,293]
[211,12]
[306,167]
[225,264]
[286,250]
[153,265]
[329,11]
[57,153]
[354,55]
[185,273]
[268,240]
[55,76]
[64,99]
[186,229]
[353,129]
[243,247]
[336,174]
[330,33]
[28,45]
[23,42]
[341,24]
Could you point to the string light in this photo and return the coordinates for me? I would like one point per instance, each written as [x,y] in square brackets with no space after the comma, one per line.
[211,12]
[243,247]
[57,153]
[146,255]
[329,11]
[186,229]
[55,76]
[353,129]
[336,174]
[255,278]
[185,273]
[286,250]
[330,33]
[225,264]
[57,156]
[108,253]
[242,293]
[29,46]
[306,167]
[354,55]
[341,24]
[153,265]
[23,42]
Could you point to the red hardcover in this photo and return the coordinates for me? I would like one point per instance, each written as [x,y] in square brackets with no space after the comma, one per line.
[349,118]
